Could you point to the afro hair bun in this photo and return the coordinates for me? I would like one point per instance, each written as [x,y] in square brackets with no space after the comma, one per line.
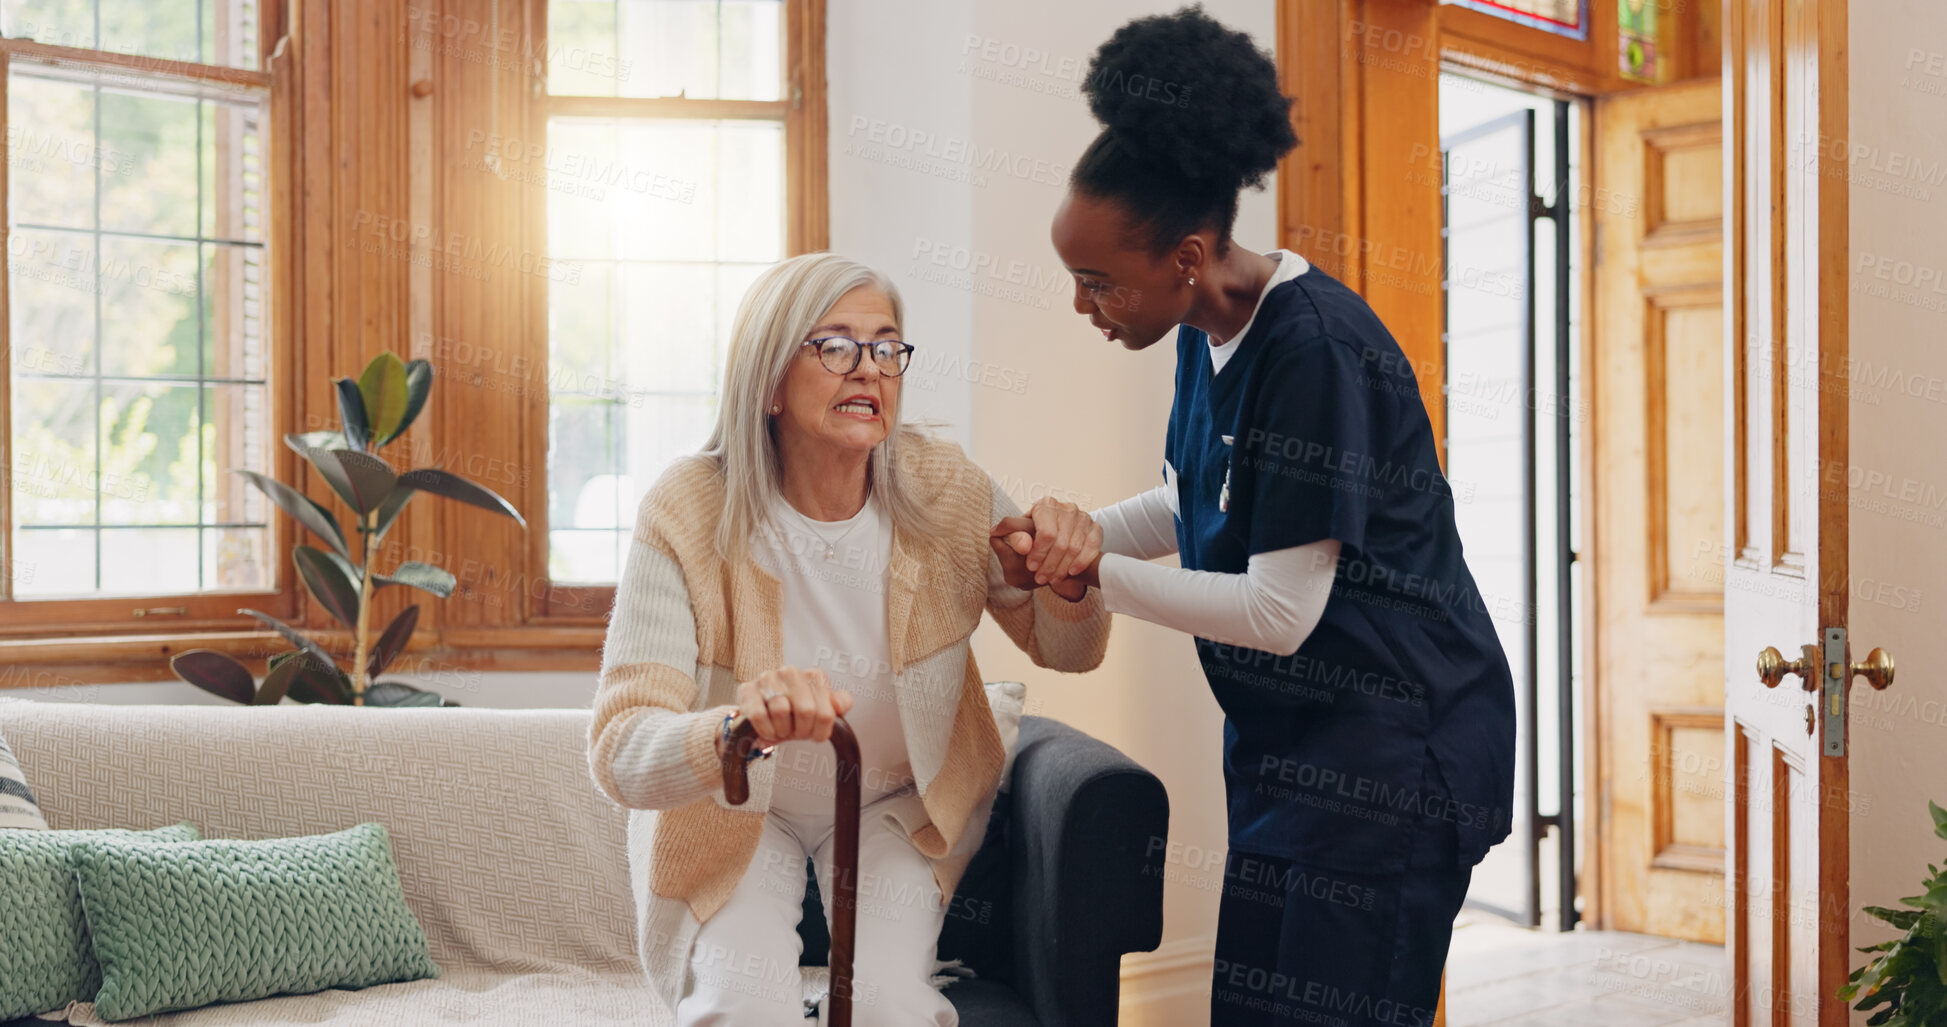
[1199,99]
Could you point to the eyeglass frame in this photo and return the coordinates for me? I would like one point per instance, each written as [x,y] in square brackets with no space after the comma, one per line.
[858,354]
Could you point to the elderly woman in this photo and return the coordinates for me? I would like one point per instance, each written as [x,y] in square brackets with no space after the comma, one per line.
[815,560]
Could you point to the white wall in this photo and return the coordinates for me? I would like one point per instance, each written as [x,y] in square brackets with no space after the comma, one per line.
[1088,426]
[901,127]
[1897,167]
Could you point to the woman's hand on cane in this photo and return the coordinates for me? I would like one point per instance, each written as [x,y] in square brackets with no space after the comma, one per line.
[792,703]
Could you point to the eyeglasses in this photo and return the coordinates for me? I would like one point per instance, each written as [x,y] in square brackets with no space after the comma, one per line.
[841,355]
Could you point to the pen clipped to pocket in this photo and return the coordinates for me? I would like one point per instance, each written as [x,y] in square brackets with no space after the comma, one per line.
[1223,494]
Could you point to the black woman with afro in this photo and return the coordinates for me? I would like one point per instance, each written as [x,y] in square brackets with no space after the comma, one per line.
[1368,738]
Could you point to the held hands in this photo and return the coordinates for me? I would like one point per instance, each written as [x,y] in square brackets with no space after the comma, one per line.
[1056,544]
[791,703]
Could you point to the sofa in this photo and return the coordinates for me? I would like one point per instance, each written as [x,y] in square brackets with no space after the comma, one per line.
[516,865]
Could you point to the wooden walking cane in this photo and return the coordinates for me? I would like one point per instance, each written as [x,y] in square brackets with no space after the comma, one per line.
[843,905]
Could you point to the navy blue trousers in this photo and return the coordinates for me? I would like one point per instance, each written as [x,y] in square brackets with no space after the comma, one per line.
[1298,944]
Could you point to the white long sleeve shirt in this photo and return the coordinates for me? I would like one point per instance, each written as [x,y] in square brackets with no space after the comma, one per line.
[1273,606]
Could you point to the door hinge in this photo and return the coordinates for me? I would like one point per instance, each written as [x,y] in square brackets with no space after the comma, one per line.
[1834,674]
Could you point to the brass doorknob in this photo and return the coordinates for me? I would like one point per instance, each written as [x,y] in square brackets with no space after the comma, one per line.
[1772,666]
[1877,668]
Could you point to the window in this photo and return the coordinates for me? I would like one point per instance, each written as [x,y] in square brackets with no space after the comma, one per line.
[1564,17]
[136,202]
[658,153]
[671,131]
[1636,39]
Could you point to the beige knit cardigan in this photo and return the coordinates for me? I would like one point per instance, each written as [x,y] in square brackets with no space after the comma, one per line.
[687,628]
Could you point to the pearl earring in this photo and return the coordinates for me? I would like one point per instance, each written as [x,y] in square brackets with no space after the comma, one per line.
[777,409]
[1193,279]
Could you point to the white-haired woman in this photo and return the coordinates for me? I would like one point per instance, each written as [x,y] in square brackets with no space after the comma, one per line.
[814,560]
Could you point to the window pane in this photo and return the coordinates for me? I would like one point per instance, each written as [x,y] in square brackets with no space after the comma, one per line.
[233,311]
[53,562]
[51,278]
[198,31]
[581,462]
[1562,17]
[581,49]
[54,453]
[750,49]
[138,382]
[674,47]
[149,315]
[585,556]
[682,190]
[700,49]
[232,169]
[659,431]
[53,152]
[750,190]
[666,338]
[671,221]
[151,468]
[148,561]
[236,559]
[579,329]
[236,434]
[581,224]
[1636,36]
[733,280]
[156,135]
[671,228]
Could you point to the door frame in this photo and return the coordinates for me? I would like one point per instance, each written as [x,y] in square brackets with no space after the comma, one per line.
[1364,76]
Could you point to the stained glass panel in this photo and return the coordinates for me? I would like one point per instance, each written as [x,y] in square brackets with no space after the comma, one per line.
[1564,17]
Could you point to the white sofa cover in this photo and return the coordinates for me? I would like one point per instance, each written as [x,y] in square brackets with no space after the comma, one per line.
[514,863]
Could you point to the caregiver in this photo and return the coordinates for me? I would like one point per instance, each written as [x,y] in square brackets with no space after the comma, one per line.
[1368,745]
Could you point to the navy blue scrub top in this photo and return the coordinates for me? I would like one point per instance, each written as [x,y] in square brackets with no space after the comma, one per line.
[1397,714]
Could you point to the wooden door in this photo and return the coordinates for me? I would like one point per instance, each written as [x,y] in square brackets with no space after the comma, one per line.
[1786,541]
[1657,480]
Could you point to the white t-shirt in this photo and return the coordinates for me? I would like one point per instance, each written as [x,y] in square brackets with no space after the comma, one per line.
[1290,265]
[835,621]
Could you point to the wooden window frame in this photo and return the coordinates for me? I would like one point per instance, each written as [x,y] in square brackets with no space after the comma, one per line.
[337,163]
[574,615]
[505,614]
[376,106]
[29,626]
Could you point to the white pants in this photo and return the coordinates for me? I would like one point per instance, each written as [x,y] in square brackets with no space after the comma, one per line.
[744,968]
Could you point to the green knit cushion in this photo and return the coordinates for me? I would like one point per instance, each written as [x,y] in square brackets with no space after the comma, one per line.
[181,926]
[45,960]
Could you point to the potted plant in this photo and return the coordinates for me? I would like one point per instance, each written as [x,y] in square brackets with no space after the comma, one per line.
[374,410]
[1909,976]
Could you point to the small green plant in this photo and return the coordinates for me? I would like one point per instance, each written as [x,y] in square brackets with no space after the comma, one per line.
[1909,976]
[373,410]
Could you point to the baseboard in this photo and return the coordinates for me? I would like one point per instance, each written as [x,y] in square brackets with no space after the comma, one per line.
[1169,987]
